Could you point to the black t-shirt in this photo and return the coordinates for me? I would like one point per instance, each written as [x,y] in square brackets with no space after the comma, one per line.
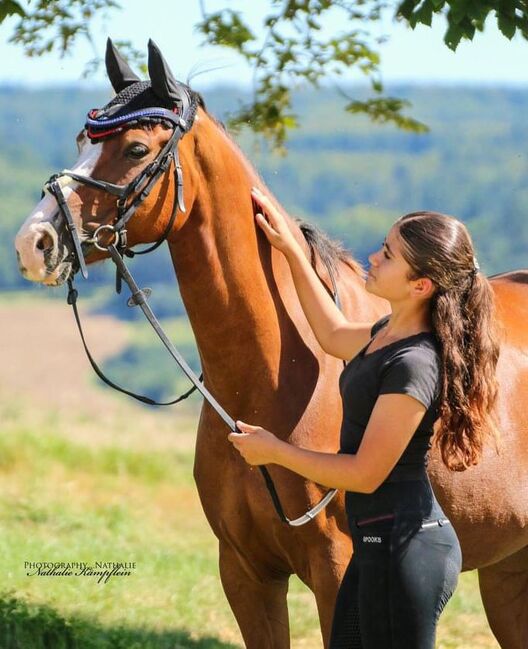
[411,366]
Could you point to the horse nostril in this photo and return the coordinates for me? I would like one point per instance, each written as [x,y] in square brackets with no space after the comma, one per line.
[45,242]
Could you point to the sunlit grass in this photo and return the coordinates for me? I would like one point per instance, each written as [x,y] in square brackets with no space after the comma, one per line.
[64,498]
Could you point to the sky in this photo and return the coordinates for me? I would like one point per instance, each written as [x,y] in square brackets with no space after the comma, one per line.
[418,56]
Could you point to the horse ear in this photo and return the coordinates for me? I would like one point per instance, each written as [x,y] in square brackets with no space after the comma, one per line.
[162,80]
[118,70]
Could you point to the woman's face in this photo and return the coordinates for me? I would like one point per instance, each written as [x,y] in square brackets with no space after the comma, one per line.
[388,273]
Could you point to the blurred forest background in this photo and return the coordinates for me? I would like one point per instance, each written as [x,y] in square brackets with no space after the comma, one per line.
[350,177]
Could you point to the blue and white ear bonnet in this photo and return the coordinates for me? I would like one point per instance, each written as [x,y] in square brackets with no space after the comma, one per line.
[161,100]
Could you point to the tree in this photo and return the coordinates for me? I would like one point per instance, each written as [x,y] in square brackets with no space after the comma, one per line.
[294,49]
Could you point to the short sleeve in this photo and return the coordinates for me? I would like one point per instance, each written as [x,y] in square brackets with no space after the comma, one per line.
[414,371]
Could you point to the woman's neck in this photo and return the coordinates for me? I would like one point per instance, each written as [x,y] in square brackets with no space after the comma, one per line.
[407,320]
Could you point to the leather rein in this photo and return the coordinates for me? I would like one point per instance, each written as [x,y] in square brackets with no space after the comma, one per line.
[129,197]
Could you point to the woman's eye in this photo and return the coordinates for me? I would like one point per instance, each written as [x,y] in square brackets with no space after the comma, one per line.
[137,151]
[386,255]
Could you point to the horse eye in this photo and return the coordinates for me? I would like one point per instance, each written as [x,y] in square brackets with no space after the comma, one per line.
[137,151]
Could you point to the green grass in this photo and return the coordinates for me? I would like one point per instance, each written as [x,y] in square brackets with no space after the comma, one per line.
[40,626]
[62,499]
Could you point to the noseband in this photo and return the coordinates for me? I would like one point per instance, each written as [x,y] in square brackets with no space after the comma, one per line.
[129,198]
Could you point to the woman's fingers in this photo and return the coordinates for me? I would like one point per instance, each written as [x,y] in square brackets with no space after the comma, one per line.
[264,224]
[265,203]
[272,222]
[269,215]
[235,437]
[257,194]
[246,427]
[242,430]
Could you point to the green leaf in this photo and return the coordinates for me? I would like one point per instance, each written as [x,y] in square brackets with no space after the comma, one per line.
[226,28]
[387,109]
[406,8]
[424,15]
[453,36]
[457,12]
[507,26]
[9,8]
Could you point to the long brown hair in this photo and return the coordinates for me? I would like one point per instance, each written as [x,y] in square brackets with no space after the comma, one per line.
[464,320]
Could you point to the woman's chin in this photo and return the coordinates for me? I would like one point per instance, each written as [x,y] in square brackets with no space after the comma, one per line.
[370,287]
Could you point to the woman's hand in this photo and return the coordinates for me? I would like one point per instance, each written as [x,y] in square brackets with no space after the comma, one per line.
[255,444]
[273,224]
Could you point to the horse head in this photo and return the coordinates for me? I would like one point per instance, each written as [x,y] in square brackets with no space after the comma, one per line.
[121,189]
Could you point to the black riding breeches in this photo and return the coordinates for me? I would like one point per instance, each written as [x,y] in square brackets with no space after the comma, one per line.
[403,571]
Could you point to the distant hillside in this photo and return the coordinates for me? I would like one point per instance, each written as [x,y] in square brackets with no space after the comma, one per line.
[349,176]
[48,368]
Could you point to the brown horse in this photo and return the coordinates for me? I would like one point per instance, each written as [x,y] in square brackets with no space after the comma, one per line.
[261,361]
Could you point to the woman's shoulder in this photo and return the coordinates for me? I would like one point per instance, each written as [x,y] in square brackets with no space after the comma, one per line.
[415,368]
[423,346]
[418,357]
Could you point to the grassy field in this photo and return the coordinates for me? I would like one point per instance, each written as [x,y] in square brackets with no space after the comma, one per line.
[105,480]
[64,500]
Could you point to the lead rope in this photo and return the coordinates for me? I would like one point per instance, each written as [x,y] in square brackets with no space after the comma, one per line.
[139,298]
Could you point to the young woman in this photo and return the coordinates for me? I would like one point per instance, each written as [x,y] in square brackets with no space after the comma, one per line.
[433,357]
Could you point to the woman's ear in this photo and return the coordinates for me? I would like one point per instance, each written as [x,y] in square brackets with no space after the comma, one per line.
[423,287]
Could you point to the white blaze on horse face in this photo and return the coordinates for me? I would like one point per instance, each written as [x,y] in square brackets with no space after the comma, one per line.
[37,241]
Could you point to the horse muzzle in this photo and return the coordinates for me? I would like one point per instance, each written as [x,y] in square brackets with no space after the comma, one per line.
[42,255]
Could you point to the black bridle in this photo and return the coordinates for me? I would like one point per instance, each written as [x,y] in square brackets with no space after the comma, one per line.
[129,198]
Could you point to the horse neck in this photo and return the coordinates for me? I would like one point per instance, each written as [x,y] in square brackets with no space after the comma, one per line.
[223,266]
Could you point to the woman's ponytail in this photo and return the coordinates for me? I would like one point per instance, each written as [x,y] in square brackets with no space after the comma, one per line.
[463,317]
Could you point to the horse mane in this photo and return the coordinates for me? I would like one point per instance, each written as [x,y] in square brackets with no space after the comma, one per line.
[520,276]
[329,250]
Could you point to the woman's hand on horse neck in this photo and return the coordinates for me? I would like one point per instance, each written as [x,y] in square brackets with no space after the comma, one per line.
[336,335]
[274,225]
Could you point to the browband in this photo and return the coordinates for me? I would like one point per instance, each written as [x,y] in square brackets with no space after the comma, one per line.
[102,126]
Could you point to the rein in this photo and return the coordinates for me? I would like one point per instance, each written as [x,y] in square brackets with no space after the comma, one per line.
[140,188]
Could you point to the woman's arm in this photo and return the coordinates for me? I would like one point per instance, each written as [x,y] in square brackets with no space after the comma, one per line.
[336,335]
[337,471]
[392,423]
